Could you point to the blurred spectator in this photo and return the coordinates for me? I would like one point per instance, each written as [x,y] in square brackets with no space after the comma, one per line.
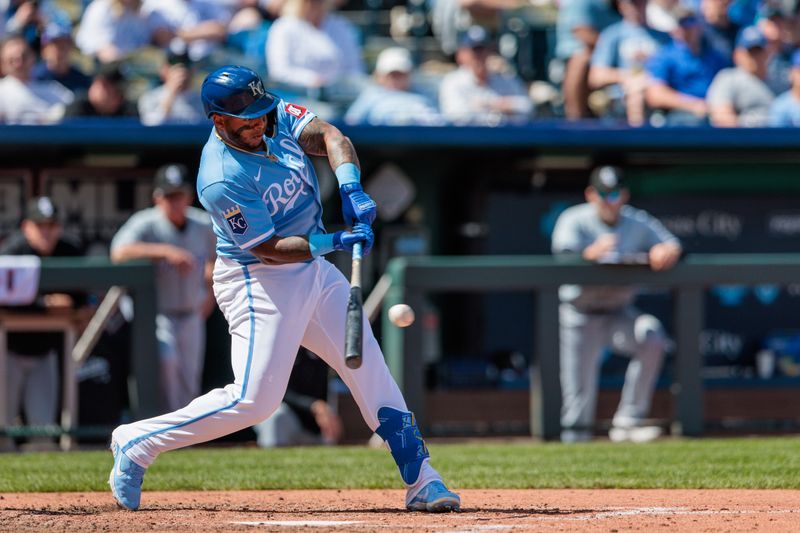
[390,100]
[105,97]
[661,15]
[178,238]
[619,58]
[781,28]
[681,73]
[311,47]
[578,26]
[22,99]
[451,18]
[112,29]
[57,47]
[738,96]
[202,25]
[266,9]
[304,417]
[785,109]
[473,94]
[28,18]
[448,21]
[718,29]
[744,13]
[592,318]
[249,26]
[32,367]
[175,101]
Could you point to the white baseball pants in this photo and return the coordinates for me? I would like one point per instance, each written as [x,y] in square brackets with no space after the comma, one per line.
[271,311]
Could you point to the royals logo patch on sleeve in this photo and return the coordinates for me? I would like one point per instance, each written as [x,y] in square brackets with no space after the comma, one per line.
[236,220]
[296,110]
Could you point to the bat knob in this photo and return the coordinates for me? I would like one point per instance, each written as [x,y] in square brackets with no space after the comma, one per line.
[353,362]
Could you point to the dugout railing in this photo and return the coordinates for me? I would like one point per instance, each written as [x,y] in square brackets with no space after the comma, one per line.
[414,278]
[79,274]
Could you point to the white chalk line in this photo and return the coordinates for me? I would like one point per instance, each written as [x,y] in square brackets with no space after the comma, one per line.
[660,511]
[611,513]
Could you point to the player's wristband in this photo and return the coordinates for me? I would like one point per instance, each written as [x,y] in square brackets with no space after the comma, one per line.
[347,173]
[323,243]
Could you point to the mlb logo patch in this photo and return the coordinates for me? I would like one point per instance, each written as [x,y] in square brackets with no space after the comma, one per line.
[236,220]
[295,110]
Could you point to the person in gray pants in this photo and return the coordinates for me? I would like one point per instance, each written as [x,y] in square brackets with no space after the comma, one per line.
[607,230]
[178,238]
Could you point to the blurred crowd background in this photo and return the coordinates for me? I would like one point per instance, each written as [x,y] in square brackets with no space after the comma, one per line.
[392,62]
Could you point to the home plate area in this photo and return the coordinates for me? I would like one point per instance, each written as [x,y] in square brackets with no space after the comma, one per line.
[605,510]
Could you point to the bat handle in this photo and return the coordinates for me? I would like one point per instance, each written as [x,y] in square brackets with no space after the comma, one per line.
[355,274]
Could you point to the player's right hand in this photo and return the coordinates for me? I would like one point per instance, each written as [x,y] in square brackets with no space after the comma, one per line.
[604,244]
[344,240]
[330,425]
[357,206]
[180,259]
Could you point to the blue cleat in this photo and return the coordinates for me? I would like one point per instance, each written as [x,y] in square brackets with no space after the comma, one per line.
[126,480]
[435,498]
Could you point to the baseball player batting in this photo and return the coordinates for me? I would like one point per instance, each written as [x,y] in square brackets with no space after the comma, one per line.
[274,287]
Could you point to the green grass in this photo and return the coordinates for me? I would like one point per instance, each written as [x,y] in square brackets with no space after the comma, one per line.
[756,463]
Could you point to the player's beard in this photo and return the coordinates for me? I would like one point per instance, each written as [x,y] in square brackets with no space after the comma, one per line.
[248,137]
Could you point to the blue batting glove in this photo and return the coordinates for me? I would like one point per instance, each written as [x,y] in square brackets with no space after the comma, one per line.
[357,206]
[344,240]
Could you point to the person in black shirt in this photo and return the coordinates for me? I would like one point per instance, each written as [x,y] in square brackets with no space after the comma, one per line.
[105,97]
[32,364]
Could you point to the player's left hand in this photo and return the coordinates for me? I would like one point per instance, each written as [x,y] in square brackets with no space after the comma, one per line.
[344,240]
[357,206]
[369,237]
[663,256]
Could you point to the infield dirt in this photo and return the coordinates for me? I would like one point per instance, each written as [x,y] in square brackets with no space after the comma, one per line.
[382,510]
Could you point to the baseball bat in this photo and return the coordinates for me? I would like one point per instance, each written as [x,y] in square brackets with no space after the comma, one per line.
[354,334]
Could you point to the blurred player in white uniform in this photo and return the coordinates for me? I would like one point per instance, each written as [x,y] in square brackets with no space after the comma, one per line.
[276,290]
[605,229]
[179,239]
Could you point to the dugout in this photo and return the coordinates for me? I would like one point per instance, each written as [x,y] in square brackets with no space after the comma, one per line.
[477,191]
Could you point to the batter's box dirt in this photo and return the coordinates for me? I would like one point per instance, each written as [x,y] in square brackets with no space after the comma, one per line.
[382,510]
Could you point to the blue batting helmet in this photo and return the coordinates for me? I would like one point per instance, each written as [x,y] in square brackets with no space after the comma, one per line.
[236,92]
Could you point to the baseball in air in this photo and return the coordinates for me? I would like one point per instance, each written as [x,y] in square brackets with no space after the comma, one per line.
[401,315]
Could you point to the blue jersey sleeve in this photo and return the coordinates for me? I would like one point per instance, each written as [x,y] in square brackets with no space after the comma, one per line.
[294,117]
[605,51]
[779,113]
[581,13]
[239,211]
